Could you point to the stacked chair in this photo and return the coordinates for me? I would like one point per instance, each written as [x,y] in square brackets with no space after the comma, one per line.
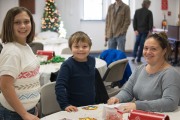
[66,51]
[36,46]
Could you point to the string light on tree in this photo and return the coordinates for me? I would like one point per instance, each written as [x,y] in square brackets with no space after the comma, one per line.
[51,18]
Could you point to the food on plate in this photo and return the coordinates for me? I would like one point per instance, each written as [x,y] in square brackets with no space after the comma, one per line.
[91,107]
[87,118]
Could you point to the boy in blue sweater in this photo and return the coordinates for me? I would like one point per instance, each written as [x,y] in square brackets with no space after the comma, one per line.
[75,83]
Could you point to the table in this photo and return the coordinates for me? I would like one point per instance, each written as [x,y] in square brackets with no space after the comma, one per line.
[97,114]
[158,30]
[45,70]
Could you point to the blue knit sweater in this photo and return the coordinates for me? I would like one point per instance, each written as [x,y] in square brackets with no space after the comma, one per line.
[75,84]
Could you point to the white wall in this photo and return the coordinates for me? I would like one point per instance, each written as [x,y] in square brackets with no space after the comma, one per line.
[71,13]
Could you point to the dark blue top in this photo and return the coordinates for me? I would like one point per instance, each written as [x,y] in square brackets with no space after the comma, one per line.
[75,84]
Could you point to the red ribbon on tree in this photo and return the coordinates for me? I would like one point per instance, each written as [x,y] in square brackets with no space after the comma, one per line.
[164,4]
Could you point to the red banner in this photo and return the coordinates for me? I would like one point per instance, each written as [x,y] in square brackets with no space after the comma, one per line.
[164,4]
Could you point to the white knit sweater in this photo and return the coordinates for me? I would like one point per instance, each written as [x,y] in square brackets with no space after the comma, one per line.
[19,62]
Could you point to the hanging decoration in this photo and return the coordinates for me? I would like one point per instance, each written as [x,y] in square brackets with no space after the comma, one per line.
[164,4]
[164,7]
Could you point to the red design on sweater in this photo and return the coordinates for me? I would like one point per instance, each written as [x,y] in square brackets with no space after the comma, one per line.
[28,74]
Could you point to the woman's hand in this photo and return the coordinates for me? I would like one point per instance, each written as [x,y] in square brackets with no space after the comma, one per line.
[128,107]
[113,100]
[71,109]
[29,116]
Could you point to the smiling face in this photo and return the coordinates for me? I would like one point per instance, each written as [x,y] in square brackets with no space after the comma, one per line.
[80,51]
[153,52]
[22,27]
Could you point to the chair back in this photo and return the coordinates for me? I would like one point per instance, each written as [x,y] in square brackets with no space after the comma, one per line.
[66,51]
[48,102]
[115,71]
[36,46]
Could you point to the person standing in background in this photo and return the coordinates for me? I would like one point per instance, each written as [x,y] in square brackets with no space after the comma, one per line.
[143,25]
[117,23]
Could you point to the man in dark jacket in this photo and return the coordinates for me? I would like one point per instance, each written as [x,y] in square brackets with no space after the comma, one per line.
[143,25]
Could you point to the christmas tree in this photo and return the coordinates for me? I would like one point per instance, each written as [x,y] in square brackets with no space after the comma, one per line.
[51,18]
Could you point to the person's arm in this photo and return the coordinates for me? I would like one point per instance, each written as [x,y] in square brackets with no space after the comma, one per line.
[135,24]
[170,95]
[135,21]
[126,93]
[127,19]
[8,90]
[107,27]
[150,21]
[61,86]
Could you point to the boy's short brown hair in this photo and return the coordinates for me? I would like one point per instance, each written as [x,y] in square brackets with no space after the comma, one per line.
[79,37]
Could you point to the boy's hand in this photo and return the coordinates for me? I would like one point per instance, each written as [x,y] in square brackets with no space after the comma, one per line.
[71,109]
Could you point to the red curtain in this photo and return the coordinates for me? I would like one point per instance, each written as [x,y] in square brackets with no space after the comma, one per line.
[164,4]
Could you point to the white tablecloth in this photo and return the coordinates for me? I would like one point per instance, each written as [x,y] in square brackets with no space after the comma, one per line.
[45,70]
[96,114]
[158,30]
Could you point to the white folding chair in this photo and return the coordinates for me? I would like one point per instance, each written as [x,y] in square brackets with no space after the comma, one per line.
[114,73]
[36,46]
[48,102]
[66,51]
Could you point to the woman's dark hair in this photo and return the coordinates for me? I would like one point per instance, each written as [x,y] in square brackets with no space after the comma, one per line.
[7,34]
[162,39]
[79,37]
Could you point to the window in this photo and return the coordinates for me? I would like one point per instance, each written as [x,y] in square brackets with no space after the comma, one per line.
[91,7]
[97,9]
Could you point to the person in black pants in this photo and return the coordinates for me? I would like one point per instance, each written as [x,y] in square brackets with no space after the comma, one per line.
[143,25]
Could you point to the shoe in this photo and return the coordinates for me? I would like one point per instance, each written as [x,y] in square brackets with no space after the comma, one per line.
[133,60]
